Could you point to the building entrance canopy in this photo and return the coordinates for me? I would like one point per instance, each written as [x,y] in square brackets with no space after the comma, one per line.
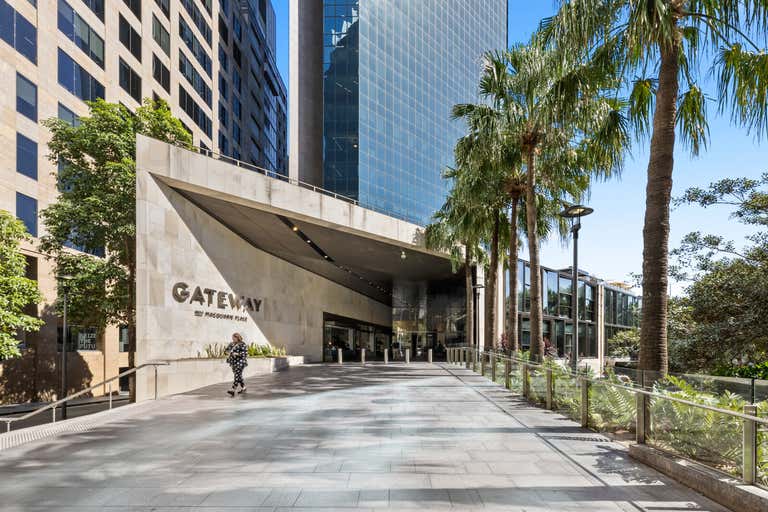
[297,253]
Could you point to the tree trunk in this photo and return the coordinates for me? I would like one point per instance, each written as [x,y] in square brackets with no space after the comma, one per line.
[653,324]
[514,346]
[490,287]
[469,323]
[537,342]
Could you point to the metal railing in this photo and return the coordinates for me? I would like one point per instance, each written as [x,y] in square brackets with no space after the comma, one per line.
[293,181]
[752,426]
[108,382]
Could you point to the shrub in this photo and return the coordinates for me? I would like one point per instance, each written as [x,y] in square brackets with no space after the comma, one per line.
[215,350]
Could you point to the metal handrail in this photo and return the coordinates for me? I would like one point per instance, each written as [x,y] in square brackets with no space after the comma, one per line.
[643,391]
[54,405]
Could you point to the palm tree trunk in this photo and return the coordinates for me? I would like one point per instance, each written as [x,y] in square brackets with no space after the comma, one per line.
[513,250]
[537,342]
[490,288]
[653,324]
[469,323]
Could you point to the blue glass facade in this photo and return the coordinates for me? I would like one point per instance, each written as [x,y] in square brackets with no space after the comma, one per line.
[392,70]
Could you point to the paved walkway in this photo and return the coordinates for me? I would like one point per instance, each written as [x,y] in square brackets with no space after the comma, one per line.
[328,438]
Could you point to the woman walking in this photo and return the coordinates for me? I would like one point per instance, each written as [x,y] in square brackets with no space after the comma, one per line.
[237,357]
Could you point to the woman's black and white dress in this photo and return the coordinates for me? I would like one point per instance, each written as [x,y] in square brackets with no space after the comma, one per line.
[238,360]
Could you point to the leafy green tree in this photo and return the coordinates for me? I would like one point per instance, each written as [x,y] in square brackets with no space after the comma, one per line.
[16,291]
[727,301]
[565,131]
[624,343]
[655,45]
[96,208]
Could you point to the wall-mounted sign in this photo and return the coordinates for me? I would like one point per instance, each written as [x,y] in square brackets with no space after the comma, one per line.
[219,299]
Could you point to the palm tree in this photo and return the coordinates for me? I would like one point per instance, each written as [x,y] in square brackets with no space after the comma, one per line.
[565,129]
[482,158]
[456,230]
[656,45]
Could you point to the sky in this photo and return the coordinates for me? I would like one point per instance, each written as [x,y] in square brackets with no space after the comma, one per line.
[610,241]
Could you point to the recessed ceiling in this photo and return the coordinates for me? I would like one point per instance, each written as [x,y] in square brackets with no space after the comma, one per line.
[359,263]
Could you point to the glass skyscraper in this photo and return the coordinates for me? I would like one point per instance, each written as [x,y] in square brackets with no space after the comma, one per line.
[392,70]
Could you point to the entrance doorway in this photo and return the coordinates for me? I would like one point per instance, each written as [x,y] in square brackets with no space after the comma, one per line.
[350,336]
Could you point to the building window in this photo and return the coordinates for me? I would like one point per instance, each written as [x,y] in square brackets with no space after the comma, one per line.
[193,110]
[135,7]
[237,28]
[77,80]
[223,144]
[130,81]
[223,116]
[236,56]
[223,62]
[223,87]
[237,108]
[26,211]
[197,19]
[161,73]
[161,36]
[194,78]
[68,116]
[194,46]
[17,31]
[223,30]
[26,156]
[97,6]
[236,81]
[26,97]
[165,6]
[236,133]
[77,30]
[130,38]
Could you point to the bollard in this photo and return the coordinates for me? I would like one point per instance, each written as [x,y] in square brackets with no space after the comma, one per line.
[155,382]
[526,381]
[448,355]
[338,354]
[467,355]
[749,448]
[493,367]
[386,356]
[474,360]
[550,388]
[407,356]
[463,355]
[110,394]
[641,405]
[53,420]
[508,374]
[584,402]
[429,356]
[362,356]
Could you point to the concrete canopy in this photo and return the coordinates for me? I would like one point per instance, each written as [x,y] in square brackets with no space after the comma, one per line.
[364,248]
[363,264]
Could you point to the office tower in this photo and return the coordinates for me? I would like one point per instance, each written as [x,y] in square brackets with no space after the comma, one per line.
[372,86]
[213,61]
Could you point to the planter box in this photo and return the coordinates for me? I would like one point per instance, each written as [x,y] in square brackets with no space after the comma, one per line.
[188,374]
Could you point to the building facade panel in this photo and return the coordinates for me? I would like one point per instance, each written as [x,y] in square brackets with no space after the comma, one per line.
[68,51]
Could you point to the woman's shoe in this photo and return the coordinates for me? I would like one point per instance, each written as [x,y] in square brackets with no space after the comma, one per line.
[231,392]
[242,390]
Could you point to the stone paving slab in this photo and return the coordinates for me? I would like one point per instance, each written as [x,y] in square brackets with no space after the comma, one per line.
[323,437]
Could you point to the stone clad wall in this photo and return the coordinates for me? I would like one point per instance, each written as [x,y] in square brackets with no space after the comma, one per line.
[179,242]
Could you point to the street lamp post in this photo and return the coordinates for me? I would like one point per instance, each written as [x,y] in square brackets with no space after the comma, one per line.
[575,213]
[63,280]
[476,334]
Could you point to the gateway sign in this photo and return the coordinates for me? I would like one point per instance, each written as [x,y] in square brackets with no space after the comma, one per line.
[183,293]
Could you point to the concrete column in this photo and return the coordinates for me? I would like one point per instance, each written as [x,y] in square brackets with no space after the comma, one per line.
[429,356]
[338,354]
[305,91]
[362,356]
[407,356]
[386,356]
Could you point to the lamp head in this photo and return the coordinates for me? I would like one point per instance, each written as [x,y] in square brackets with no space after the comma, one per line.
[576,211]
